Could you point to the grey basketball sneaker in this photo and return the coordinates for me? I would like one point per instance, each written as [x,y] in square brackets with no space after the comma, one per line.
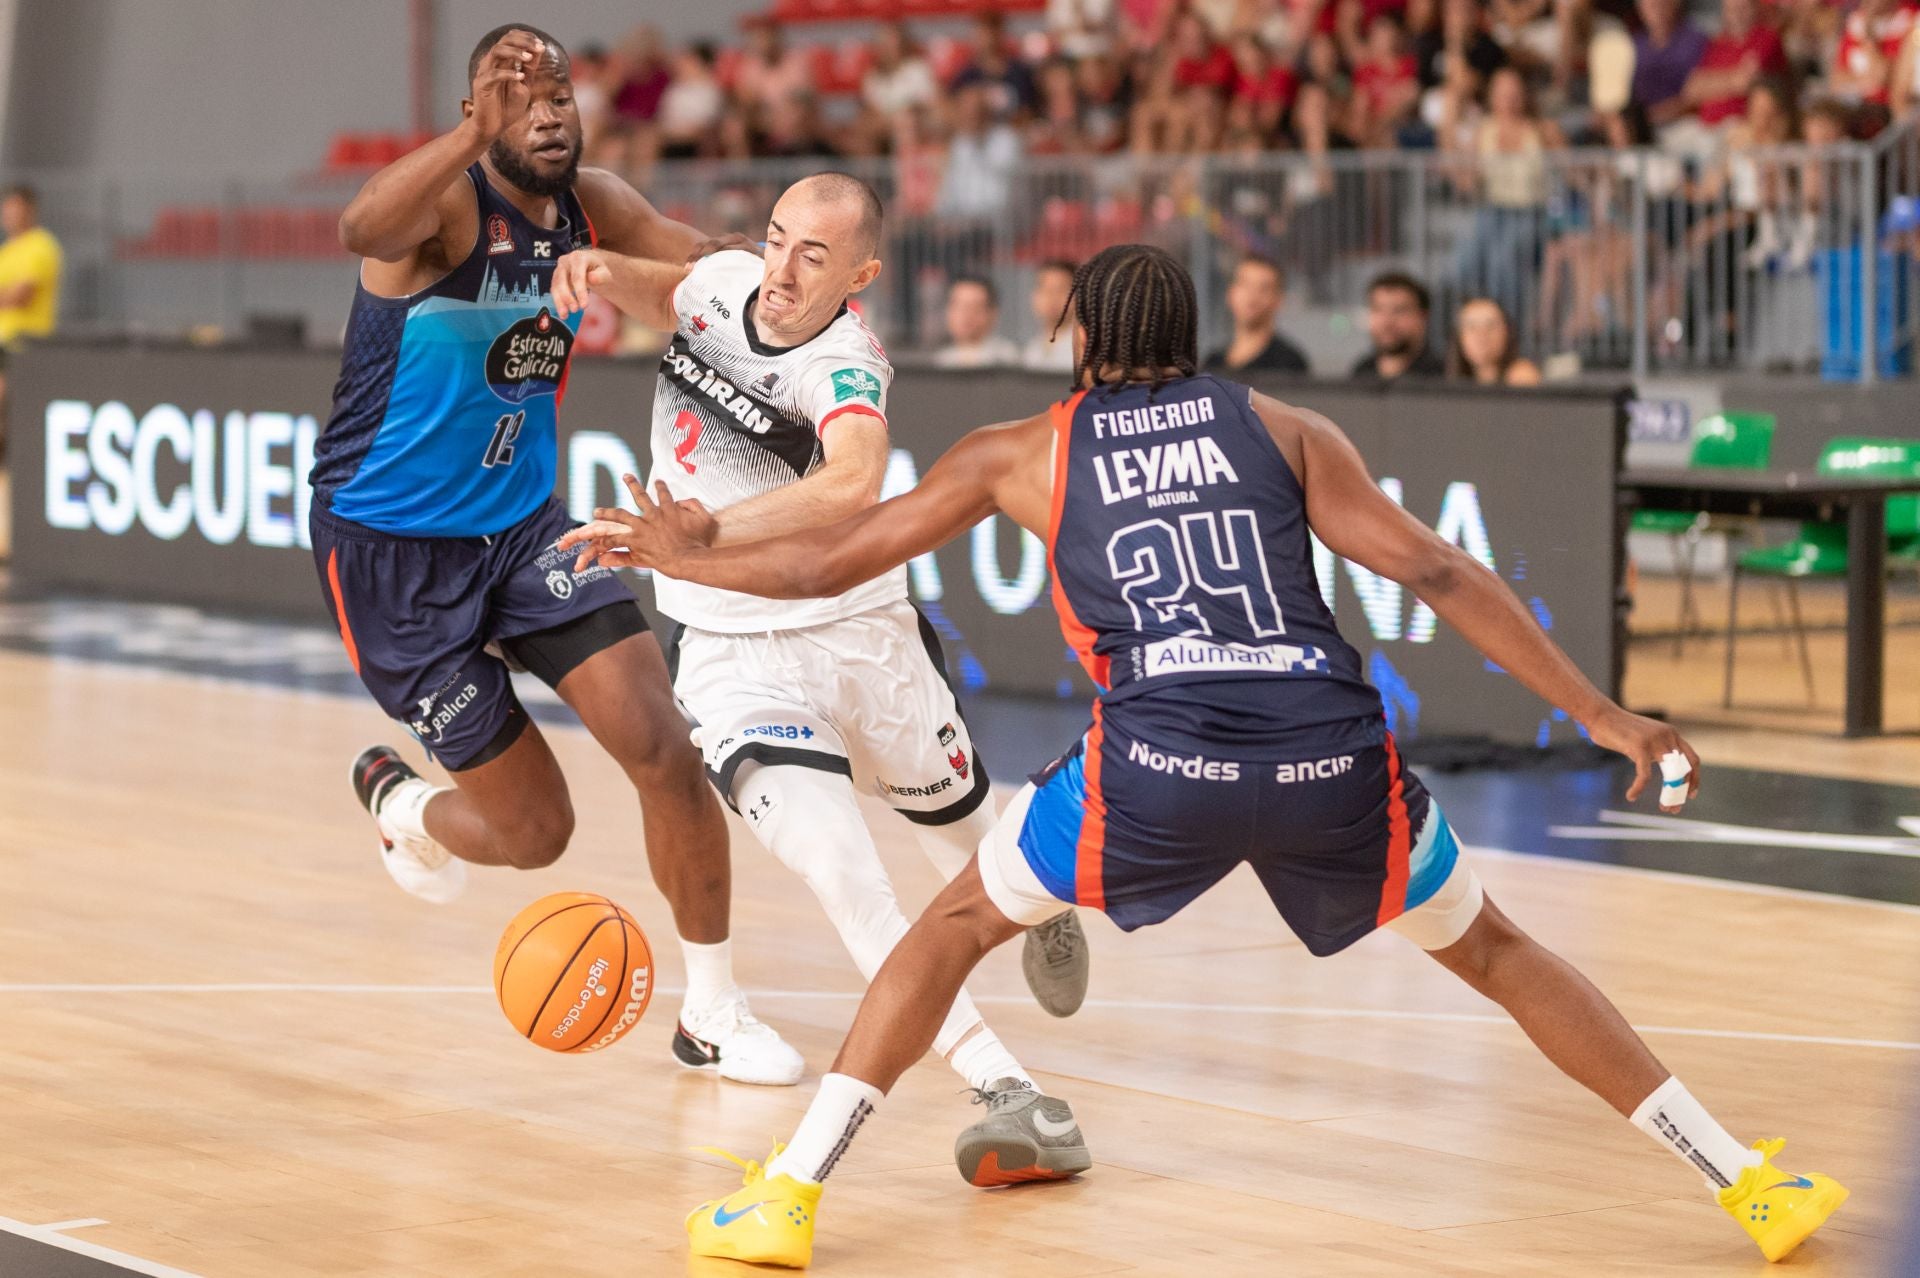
[1025,1136]
[1055,962]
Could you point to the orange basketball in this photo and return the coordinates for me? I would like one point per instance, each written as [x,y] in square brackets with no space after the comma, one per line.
[573,972]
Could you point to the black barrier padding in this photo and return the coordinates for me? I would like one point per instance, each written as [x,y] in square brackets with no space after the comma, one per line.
[1531,472]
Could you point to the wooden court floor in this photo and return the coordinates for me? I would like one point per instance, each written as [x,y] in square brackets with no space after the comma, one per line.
[227,1037]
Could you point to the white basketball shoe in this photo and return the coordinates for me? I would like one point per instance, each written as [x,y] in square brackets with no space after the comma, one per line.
[394,795]
[724,1037]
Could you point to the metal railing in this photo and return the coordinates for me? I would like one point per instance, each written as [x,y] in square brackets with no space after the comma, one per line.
[1789,258]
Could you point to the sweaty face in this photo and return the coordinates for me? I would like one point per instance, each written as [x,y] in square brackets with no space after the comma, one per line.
[815,260]
[970,315]
[1395,321]
[1253,298]
[540,152]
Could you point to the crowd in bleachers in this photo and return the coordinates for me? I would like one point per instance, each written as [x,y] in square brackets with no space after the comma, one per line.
[1195,76]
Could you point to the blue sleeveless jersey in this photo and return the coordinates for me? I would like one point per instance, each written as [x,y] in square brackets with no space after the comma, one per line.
[443,417]
[1183,574]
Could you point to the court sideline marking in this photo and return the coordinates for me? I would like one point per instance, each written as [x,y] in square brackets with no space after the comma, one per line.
[50,1236]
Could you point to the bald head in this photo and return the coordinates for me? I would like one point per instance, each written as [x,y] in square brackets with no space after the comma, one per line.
[820,250]
[847,195]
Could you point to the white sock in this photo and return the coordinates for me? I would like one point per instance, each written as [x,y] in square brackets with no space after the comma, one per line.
[709,973]
[1679,1122]
[839,1107]
[984,1059]
[404,806]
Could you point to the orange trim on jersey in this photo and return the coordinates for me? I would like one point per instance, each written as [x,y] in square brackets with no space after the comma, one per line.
[593,236]
[340,608]
[1089,869]
[1078,636]
[868,409]
[1393,892]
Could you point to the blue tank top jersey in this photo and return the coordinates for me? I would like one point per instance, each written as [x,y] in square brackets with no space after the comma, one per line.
[443,417]
[1183,575]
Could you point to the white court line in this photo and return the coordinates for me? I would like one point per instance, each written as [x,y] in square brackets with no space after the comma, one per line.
[1100,1004]
[50,1236]
[86,1222]
[1646,827]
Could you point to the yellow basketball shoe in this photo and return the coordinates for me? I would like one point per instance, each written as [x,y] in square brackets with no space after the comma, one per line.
[1778,1209]
[765,1221]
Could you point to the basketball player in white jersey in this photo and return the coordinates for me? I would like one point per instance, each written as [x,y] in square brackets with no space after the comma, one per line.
[770,412]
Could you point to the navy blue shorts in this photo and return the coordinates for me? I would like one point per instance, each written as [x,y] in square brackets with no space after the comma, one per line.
[1342,836]
[417,614]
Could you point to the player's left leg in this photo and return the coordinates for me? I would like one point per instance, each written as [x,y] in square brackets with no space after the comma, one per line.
[1582,1032]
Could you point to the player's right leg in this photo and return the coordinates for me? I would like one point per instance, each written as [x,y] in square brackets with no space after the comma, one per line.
[411,612]
[1583,1033]
[770,1219]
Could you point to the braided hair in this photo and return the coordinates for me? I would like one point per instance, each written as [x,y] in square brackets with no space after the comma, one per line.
[1136,303]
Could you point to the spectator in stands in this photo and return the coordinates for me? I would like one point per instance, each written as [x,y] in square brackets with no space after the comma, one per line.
[1104,104]
[593,95]
[1399,309]
[1869,46]
[1008,83]
[1254,299]
[900,78]
[30,264]
[1808,30]
[1461,37]
[982,156]
[643,76]
[1057,129]
[973,316]
[1386,85]
[1744,50]
[1050,349]
[1732,201]
[1665,51]
[1081,28]
[690,109]
[1508,153]
[771,76]
[1263,83]
[1484,350]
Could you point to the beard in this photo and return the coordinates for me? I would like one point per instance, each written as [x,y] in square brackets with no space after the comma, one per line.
[515,168]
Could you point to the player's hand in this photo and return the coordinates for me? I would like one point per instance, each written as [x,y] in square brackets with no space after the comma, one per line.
[499,90]
[1644,741]
[725,243]
[575,276]
[654,537]
[698,522]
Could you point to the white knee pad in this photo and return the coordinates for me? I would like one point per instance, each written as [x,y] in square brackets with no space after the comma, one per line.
[1444,917]
[811,822]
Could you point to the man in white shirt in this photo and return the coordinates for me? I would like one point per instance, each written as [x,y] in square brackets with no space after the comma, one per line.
[973,315]
[770,411]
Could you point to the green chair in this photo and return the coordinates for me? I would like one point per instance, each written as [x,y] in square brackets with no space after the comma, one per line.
[1725,441]
[1820,550]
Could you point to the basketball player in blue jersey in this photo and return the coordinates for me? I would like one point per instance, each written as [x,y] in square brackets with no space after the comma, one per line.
[1232,725]
[434,524]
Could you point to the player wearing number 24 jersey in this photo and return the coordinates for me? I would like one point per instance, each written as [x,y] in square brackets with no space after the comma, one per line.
[1232,726]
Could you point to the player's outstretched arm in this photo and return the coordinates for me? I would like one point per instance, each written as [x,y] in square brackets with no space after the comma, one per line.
[1356,520]
[418,198]
[641,287]
[955,494]
[625,221]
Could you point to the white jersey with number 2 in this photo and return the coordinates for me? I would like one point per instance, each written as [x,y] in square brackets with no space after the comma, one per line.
[734,417]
